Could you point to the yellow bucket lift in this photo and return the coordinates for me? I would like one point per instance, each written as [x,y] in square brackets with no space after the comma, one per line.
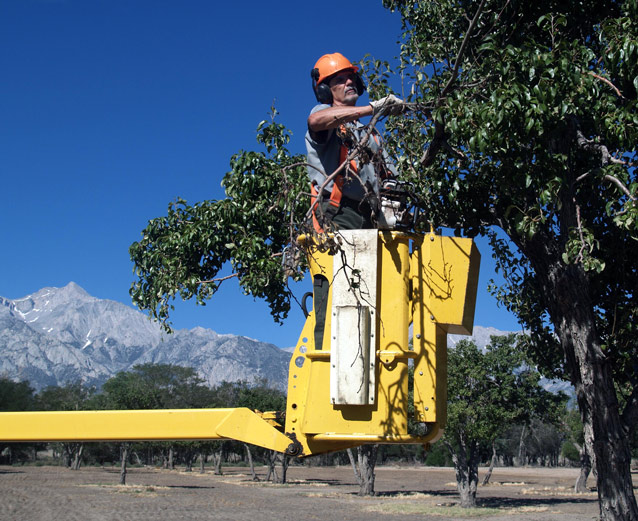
[351,390]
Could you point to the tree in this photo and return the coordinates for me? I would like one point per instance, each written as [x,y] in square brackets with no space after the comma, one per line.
[153,386]
[15,396]
[73,396]
[526,122]
[363,467]
[487,392]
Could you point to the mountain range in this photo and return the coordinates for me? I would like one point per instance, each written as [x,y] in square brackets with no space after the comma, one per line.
[60,335]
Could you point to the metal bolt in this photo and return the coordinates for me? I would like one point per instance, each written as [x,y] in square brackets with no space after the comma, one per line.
[420,373]
[419,335]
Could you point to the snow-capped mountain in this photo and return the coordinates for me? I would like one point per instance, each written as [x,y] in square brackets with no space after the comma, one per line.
[57,335]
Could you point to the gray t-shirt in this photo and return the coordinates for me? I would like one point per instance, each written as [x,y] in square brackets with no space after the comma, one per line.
[324,149]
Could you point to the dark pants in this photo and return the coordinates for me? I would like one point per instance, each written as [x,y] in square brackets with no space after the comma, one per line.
[351,215]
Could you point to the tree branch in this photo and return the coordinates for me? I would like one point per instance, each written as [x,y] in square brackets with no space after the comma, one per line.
[605,80]
[219,279]
[459,56]
[439,140]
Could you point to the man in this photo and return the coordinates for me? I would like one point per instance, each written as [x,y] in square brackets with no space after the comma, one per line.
[349,193]
[349,199]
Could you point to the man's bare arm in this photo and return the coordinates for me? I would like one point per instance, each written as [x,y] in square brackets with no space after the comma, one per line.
[334,117]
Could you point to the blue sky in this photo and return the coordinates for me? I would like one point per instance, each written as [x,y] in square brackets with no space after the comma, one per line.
[111,109]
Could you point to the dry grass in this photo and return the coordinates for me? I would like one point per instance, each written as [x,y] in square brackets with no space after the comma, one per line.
[138,490]
[450,510]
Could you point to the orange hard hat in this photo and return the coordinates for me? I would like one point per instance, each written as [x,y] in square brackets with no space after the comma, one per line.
[330,64]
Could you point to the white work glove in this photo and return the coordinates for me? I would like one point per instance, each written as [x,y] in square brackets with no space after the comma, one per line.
[388,106]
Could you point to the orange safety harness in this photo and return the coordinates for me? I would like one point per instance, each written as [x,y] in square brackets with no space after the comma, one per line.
[337,190]
[337,186]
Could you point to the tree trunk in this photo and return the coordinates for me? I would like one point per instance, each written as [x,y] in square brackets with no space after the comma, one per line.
[355,469]
[250,462]
[171,458]
[272,469]
[202,462]
[124,456]
[599,407]
[66,455]
[466,469]
[586,458]
[77,460]
[367,459]
[487,477]
[218,462]
[585,469]
[522,449]
[566,290]
[285,461]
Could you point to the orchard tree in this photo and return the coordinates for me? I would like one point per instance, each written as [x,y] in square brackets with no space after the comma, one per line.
[488,392]
[73,396]
[16,396]
[153,386]
[532,130]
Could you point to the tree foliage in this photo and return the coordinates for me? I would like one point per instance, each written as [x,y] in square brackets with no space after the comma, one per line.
[156,386]
[184,252]
[15,396]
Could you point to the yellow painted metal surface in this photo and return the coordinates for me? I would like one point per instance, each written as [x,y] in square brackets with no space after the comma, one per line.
[164,424]
[444,274]
[428,282]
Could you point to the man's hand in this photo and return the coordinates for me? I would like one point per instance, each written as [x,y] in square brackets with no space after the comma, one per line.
[388,106]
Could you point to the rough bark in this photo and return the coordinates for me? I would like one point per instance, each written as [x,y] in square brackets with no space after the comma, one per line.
[585,469]
[355,469]
[367,460]
[466,460]
[566,291]
[124,456]
[488,475]
[249,455]
[587,459]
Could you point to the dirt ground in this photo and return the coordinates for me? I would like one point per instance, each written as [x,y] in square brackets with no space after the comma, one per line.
[313,493]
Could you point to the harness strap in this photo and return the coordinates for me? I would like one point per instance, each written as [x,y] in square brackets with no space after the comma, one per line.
[337,187]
